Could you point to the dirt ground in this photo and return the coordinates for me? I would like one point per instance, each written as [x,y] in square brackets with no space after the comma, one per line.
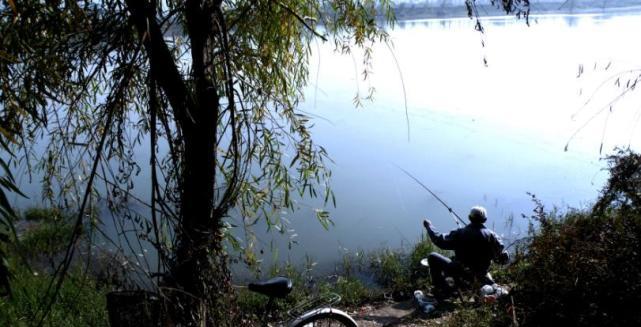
[401,314]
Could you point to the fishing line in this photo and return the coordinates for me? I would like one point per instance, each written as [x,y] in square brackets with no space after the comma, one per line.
[456,217]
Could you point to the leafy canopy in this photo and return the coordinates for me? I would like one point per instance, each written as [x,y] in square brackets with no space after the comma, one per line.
[96,83]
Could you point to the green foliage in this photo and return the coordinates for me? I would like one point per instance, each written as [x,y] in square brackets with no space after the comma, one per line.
[352,263]
[80,303]
[301,278]
[396,272]
[622,189]
[309,290]
[213,86]
[420,251]
[390,268]
[40,214]
[7,215]
[251,305]
[399,271]
[44,236]
[582,268]
[352,291]
[45,240]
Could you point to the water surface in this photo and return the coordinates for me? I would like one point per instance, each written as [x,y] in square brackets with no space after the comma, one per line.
[478,134]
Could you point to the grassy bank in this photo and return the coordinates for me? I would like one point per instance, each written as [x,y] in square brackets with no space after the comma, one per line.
[81,301]
[42,239]
[359,278]
[576,268]
[580,268]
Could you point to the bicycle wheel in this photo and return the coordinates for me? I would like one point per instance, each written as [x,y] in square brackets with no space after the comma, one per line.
[324,317]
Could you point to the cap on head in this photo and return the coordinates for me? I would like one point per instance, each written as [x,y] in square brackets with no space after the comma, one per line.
[478,214]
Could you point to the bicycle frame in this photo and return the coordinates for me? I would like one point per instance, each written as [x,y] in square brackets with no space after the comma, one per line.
[317,309]
[298,315]
[299,320]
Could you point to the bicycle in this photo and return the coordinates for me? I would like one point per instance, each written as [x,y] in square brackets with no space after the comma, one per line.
[317,312]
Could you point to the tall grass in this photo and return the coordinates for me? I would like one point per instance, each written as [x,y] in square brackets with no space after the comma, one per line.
[399,272]
[81,300]
[396,273]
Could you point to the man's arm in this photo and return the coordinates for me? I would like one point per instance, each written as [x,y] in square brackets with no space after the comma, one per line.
[501,256]
[443,241]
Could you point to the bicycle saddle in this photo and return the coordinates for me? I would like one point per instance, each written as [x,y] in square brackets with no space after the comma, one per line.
[275,287]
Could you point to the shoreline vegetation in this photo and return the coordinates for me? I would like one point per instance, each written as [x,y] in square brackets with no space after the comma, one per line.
[577,268]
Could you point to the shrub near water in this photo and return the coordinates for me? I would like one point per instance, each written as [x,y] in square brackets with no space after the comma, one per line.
[582,271]
[577,270]
[390,269]
[44,236]
[400,272]
[419,274]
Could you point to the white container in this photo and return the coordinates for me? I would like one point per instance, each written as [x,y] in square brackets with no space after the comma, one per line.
[500,291]
[487,290]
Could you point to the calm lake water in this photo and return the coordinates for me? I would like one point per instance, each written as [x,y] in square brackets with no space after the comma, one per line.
[478,135]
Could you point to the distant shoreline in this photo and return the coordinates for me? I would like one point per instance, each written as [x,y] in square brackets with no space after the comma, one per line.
[407,11]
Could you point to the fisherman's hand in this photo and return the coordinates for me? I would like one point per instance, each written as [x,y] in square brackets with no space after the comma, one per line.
[427,224]
[504,258]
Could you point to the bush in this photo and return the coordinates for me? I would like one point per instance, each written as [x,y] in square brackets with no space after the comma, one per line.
[45,241]
[390,269]
[400,272]
[418,274]
[352,291]
[37,214]
[583,269]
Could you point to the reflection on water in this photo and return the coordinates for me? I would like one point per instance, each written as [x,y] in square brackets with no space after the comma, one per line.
[477,135]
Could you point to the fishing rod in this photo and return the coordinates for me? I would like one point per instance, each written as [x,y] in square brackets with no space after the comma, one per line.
[457,218]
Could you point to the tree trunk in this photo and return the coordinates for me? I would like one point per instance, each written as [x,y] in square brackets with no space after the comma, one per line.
[199,272]
[199,242]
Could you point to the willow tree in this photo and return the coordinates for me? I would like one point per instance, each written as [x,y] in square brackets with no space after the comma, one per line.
[211,87]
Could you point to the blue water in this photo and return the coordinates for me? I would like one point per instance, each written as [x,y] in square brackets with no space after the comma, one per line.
[478,135]
[475,134]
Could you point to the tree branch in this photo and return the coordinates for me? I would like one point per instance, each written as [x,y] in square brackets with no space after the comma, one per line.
[162,64]
[301,20]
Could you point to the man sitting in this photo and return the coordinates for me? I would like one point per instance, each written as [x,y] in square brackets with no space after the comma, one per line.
[474,245]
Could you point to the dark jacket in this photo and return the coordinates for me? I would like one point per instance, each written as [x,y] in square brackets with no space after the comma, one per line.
[474,245]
